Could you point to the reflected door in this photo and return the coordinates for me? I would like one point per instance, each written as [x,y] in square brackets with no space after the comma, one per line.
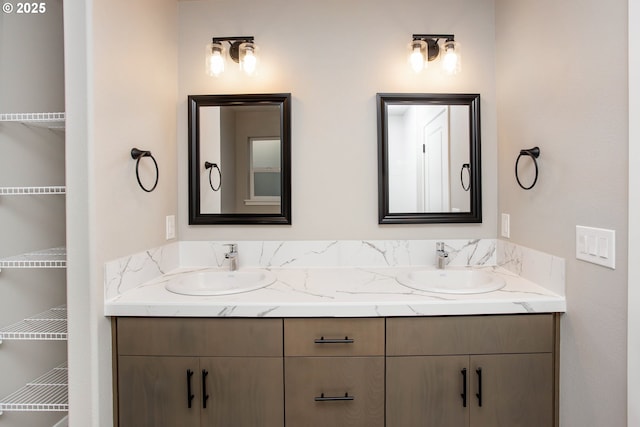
[433,186]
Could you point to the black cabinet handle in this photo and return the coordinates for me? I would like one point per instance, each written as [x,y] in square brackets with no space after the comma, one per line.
[479,393]
[324,340]
[464,387]
[190,395]
[205,396]
[323,398]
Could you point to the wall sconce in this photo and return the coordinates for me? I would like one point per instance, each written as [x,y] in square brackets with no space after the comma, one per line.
[242,50]
[425,48]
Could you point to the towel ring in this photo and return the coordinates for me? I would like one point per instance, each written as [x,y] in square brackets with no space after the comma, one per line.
[137,154]
[210,166]
[534,153]
[468,168]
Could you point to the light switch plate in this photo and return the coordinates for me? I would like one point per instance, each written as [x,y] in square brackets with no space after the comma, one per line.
[596,245]
[170,227]
[506,226]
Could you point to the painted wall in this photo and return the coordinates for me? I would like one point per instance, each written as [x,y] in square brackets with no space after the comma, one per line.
[31,81]
[121,87]
[556,91]
[333,57]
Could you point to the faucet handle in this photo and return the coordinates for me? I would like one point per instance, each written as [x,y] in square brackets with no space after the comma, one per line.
[440,246]
[233,247]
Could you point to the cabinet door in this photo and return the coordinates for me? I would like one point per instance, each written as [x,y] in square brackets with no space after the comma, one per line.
[515,390]
[428,391]
[243,392]
[153,391]
[334,391]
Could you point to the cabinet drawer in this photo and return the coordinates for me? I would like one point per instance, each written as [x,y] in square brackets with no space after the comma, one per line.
[199,337]
[315,389]
[527,333]
[334,337]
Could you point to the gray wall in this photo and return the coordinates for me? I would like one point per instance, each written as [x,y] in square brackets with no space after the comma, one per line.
[562,85]
[31,80]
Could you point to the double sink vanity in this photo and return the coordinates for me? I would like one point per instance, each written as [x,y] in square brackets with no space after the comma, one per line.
[314,341]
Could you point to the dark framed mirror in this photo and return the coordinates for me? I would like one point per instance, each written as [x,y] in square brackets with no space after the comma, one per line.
[240,159]
[429,158]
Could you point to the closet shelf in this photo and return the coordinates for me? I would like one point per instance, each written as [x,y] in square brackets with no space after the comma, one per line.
[48,258]
[48,392]
[21,191]
[48,120]
[48,325]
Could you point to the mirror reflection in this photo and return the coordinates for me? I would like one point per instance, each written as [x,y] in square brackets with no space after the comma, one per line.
[429,151]
[239,159]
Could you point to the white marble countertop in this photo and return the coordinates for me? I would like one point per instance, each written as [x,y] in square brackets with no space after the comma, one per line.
[335,292]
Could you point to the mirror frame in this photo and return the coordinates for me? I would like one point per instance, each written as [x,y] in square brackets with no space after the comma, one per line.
[475,213]
[283,100]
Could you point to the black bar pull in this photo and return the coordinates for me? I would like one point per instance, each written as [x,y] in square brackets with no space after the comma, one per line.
[324,340]
[190,395]
[479,393]
[323,398]
[205,396]
[464,387]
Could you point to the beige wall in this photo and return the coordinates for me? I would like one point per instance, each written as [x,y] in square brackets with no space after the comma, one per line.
[561,84]
[333,57]
[121,83]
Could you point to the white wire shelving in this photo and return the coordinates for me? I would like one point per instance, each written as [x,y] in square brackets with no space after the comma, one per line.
[46,393]
[22,191]
[50,325]
[47,258]
[48,120]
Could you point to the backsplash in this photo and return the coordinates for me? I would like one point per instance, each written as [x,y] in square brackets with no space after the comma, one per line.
[128,272]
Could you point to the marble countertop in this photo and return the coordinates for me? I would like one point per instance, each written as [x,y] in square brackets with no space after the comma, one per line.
[335,292]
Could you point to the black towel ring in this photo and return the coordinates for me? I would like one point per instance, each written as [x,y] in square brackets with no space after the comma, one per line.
[534,153]
[210,166]
[468,168]
[136,155]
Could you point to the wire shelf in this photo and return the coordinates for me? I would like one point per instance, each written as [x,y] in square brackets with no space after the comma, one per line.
[48,258]
[21,191]
[48,325]
[48,392]
[49,120]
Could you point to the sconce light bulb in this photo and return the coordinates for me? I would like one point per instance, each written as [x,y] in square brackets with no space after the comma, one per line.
[249,62]
[215,60]
[451,60]
[417,55]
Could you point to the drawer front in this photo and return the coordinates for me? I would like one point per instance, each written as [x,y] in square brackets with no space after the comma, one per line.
[199,337]
[334,391]
[527,333]
[334,337]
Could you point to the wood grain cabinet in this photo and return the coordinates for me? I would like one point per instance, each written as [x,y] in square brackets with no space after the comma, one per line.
[479,371]
[334,372]
[199,372]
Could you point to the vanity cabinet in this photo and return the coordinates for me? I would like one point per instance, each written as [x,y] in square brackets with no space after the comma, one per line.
[334,372]
[199,372]
[471,371]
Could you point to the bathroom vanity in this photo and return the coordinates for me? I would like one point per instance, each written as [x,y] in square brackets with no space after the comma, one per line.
[324,343]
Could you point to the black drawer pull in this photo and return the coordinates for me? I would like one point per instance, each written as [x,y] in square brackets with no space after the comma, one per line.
[464,387]
[190,395]
[205,395]
[324,340]
[479,393]
[322,398]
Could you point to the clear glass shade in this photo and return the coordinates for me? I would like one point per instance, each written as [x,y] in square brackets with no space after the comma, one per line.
[451,60]
[215,59]
[418,55]
[248,58]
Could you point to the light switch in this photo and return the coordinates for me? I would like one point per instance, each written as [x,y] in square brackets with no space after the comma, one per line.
[596,245]
[170,227]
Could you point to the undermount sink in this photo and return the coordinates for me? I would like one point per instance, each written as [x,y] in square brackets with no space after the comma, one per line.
[452,281]
[219,282]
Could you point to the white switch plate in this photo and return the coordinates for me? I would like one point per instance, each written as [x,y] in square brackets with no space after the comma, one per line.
[505,229]
[170,227]
[596,245]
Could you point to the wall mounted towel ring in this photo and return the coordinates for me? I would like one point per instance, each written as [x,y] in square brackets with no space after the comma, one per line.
[466,167]
[534,153]
[136,155]
[211,166]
